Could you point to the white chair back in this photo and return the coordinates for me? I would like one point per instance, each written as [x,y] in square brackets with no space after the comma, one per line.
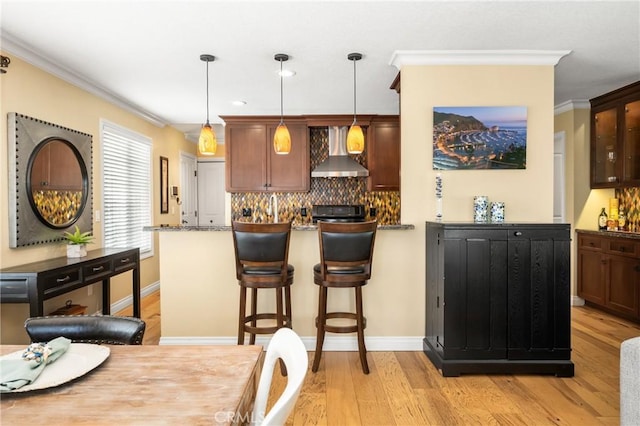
[286,345]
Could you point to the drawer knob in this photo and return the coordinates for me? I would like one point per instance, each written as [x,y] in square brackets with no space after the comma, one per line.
[517,233]
[124,260]
[63,279]
[98,268]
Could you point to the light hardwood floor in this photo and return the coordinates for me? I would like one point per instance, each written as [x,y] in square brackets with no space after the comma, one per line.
[404,388]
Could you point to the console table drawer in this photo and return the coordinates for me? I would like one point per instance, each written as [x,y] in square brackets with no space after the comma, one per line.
[125,261]
[15,289]
[97,270]
[62,278]
[36,282]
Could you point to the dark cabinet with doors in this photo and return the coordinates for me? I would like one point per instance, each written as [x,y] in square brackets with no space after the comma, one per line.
[609,272]
[251,162]
[498,298]
[615,138]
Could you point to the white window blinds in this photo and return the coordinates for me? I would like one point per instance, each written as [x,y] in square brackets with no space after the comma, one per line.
[126,188]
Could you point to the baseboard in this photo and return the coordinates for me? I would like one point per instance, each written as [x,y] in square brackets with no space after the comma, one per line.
[331,343]
[128,301]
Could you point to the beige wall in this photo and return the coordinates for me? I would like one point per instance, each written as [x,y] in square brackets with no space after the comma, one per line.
[528,194]
[582,203]
[28,90]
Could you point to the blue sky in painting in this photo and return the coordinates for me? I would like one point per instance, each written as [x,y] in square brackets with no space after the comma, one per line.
[503,116]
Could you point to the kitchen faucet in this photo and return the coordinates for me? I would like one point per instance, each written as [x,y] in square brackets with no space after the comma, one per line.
[273,207]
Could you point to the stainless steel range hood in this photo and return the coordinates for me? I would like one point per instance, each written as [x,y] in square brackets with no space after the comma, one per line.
[339,164]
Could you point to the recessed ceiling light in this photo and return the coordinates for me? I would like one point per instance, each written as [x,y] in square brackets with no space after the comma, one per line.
[239,103]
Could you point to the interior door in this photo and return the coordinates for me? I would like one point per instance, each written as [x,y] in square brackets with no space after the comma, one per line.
[211,191]
[188,190]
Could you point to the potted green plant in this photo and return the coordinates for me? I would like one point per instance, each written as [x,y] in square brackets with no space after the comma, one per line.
[77,242]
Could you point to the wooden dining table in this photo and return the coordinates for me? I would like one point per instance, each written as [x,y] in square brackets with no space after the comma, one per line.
[147,385]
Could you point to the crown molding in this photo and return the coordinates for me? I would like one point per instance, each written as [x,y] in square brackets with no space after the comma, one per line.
[571,105]
[401,58]
[14,46]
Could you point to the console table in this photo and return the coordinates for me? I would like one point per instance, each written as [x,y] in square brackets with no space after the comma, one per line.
[36,282]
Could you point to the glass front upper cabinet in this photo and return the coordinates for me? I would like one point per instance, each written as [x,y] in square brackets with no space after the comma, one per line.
[632,142]
[615,138]
[605,152]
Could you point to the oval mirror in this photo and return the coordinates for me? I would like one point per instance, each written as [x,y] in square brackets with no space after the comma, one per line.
[57,183]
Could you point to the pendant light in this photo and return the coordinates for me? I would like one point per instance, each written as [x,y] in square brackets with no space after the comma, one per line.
[282,138]
[207,143]
[355,137]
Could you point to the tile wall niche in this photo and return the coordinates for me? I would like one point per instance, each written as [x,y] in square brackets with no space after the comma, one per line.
[322,191]
[629,198]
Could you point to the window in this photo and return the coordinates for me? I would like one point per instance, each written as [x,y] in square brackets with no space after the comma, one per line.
[126,188]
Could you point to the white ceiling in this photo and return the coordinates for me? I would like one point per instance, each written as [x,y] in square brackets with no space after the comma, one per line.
[146,53]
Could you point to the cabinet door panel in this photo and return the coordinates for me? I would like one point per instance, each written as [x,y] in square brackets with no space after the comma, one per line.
[591,283]
[383,156]
[538,296]
[290,172]
[246,163]
[632,142]
[622,289]
[475,298]
[605,149]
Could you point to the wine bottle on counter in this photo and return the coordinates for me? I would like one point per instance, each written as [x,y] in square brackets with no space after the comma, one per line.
[622,219]
[602,220]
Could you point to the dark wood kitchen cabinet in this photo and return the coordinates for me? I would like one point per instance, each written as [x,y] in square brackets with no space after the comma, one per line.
[253,166]
[383,153]
[615,138]
[609,272]
[498,298]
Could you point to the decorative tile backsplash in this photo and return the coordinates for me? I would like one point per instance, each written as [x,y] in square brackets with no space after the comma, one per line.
[322,191]
[629,198]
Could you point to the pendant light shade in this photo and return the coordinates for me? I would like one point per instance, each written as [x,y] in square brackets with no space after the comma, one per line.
[207,143]
[355,137]
[281,138]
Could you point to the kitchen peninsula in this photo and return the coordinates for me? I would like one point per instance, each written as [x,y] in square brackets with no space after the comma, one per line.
[200,296]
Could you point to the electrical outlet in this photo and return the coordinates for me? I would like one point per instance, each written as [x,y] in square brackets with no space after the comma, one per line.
[246,212]
[303,211]
[90,290]
[372,211]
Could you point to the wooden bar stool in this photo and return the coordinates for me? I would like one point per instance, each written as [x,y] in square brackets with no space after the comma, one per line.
[262,253]
[346,254]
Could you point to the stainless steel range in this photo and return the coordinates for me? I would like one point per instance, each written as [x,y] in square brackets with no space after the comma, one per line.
[338,213]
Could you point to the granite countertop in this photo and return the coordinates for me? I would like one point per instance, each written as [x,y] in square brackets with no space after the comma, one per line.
[621,234]
[173,228]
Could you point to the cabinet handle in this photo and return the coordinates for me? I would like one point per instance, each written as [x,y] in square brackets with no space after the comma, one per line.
[62,280]
[97,269]
[124,260]
[518,234]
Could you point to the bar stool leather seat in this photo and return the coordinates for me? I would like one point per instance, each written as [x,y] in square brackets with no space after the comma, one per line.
[262,252]
[346,256]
